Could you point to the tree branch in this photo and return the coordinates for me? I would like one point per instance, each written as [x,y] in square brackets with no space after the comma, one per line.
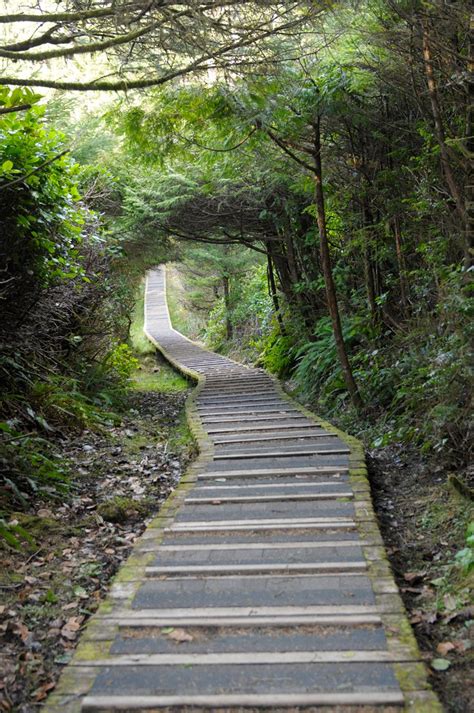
[11,109]
[80,49]
[58,16]
[279,142]
[210,148]
[3,186]
[125,85]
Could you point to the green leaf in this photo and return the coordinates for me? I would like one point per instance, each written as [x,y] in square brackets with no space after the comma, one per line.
[50,597]
[440,664]
[7,166]
[63,659]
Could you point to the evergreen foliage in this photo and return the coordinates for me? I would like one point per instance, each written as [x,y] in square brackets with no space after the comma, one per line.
[237,165]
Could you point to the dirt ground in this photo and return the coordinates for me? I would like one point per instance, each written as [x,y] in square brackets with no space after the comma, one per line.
[49,592]
[423,521]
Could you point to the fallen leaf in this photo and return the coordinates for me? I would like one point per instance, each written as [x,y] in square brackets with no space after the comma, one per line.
[440,664]
[449,602]
[413,576]
[71,627]
[22,631]
[445,647]
[63,660]
[463,615]
[180,635]
[41,692]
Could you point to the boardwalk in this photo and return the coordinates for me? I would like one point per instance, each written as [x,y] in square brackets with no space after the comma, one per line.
[263,583]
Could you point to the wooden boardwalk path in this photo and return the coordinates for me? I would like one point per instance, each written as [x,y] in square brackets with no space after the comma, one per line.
[263,583]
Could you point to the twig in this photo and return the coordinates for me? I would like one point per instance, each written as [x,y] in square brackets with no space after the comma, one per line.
[33,556]
[35,170]
[11,586]
[10,109]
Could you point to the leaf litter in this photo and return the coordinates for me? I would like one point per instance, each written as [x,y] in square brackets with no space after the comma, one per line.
[48,594]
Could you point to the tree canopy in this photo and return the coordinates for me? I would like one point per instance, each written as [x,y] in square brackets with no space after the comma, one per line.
[144,44]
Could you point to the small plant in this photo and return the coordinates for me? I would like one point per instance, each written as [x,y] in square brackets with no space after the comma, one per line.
[465,557]
[122,362]
[28,466]
[14,535]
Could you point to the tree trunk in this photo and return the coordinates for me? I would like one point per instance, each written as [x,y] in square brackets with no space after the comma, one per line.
[229,332]
[401,262]
[469,192]
[368,262]
[451,182]
[274,295]
[328,277]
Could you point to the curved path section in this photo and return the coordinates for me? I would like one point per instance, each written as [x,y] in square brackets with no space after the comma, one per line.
[264,582]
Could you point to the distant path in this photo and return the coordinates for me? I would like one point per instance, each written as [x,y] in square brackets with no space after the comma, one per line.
[263,583]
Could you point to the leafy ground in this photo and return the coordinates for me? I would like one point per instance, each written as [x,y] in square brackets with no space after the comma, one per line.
[424,520]
[50,589]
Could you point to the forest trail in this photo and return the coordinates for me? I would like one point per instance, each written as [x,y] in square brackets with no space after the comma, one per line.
[263,582]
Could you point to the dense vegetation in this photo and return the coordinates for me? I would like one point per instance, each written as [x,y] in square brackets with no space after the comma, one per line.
[346,175]
[321,207]
[308,170]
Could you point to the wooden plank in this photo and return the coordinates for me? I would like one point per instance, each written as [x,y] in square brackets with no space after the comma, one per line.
[254,658]
[328,525]
[277,472]
[270,700]
[196,524]
[283,454]
[264,546]
[265,486]
[276,437]
[341,567]
[185,613]
[306,497]
[262,428]
[254,621]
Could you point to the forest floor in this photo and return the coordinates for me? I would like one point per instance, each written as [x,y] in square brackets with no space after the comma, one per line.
[423,521]
[49,592]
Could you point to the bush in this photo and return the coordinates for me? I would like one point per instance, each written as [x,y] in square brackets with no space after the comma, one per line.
[40,215]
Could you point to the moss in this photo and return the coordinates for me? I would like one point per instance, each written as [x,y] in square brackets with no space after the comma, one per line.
[411,676]
[120,509]
[155,374]
[92,650]
[37,526]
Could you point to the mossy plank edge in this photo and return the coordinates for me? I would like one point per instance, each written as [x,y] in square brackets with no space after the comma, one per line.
[412,676]
[74,683]
[76,680]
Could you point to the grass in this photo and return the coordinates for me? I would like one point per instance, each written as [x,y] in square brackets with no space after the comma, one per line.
[444,523]
[154,373]
[183,321]
[138,341]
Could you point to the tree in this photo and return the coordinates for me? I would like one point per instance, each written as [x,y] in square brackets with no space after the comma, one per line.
[144,44]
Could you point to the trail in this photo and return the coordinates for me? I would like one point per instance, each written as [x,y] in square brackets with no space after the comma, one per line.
[264,582]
